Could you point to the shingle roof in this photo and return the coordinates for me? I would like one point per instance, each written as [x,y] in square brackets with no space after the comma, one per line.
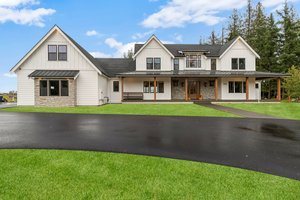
[114,66]
[54,74]
[211,50]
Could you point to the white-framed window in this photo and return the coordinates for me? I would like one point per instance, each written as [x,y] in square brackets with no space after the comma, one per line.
[238,63]
[237,87]
[193,61]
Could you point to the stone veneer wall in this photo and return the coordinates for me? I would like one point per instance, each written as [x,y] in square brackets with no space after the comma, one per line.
[207,92]
[55,101]
[178,92]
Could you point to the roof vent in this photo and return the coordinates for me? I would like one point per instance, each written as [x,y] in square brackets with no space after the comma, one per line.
[180,52]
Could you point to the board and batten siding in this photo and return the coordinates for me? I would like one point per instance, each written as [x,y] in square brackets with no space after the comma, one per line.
[87,81]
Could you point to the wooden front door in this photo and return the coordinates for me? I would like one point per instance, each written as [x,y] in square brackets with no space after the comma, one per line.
[194,90]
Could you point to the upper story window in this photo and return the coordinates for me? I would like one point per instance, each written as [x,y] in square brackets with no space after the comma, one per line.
[57,52]
[193,61]
[238,63]
[213,64]
[176,64]
[153,63]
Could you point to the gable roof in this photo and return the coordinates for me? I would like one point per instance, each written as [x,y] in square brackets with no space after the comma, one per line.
[81,50]
[216,50]
[153,37]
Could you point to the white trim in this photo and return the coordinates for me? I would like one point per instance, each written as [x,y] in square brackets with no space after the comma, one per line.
[240,38]
[55,28]
[153,37]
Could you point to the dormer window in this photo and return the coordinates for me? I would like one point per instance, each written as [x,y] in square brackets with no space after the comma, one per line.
[153,63]
[238,63]
[193,61]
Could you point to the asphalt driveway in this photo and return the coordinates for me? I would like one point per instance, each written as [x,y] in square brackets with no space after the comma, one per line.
[266,145]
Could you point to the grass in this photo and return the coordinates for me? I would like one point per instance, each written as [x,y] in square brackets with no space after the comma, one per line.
[283,110]
[51,174]
[131,109]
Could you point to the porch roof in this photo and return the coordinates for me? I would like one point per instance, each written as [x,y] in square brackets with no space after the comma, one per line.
[203,74]
[54,74]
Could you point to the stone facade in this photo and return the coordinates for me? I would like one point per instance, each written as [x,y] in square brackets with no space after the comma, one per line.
[207,91]
[178,89]
[55,101]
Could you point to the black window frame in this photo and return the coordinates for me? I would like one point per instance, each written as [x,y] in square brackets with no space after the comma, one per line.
[213,64]
[196,59]
[176,64]
[238,63]
[157,65]
[150,65]
[64,92]
[43,89]
[160,87]
[62,53]
[58,88]
[146,87]
[116,86]
[52,53]
[233,89]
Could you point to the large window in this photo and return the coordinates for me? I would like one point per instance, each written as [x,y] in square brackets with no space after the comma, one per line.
[193,61]
[149,87]
[213,63]
[52,52]
[237,87]
[43,88]
[176,64]
[54,88]
[116,86]
[238,63]
[153,63]
[62,52]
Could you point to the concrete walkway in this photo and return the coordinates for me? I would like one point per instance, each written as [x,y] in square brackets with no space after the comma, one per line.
[235,111]
[7,105]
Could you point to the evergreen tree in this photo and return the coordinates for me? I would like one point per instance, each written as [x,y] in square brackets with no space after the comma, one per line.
[129,54]
[235,25]
[249,17]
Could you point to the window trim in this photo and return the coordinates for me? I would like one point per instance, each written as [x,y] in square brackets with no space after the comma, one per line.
[234,87]
[150,84]
[41,88]
[58,53]
[174,64]
[198,61]
[59,88]
[114,86]
[68,88]
[153,63]
[52,52]
[238,63]
[211,64]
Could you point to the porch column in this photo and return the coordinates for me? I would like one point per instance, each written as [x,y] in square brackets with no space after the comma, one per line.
[155,88]
[216,89]
[122,88]
[278,89]
[247,88]
[186,89]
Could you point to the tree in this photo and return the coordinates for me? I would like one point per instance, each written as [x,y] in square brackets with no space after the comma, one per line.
[235,25]
[289,38]
[248,22]
[214,39]
[129,54]
[292,84]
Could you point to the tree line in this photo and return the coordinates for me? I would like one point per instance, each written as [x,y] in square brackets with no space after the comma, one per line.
[275,37]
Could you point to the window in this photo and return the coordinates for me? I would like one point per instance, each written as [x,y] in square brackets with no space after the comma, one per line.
[62,52]
[157,63]
[149,63]
[64,90]
[43,88]
[146,87]
[213,63]
[211,83]
[238,63]
[176,64]
[116,86]
[237,87]
[52,52]
[54,88]
[193,61]
[151,86]
[160,88]
[256,85]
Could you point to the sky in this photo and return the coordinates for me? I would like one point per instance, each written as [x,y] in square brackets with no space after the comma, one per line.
[110,28]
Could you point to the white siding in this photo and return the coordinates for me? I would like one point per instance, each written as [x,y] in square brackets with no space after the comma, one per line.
[136,85]
[153,49]
[87,82]
[238,50]
[225,95]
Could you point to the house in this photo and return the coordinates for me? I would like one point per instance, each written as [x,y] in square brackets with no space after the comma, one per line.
[57,71]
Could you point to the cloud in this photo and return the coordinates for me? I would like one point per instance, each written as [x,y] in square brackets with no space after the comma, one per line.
[92,33]
[138,36]
[178,37]
[275,3]
[177,13]
[119,47]
[98,54]
[10,75]
[19,12]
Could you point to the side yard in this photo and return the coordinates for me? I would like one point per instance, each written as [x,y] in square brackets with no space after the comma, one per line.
[130,109]
[284,110]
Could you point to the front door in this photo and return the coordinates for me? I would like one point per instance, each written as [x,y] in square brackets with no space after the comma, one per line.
[194,90]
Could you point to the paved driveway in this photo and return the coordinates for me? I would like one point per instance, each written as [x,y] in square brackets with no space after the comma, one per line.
[265,145]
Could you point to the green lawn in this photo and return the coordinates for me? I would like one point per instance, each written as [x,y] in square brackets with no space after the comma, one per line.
[284,110]
[134,109]
[51,174]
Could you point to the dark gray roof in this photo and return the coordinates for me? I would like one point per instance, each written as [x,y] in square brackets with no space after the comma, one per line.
[204,73]
[114,66]
[210,50]
[54,74]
